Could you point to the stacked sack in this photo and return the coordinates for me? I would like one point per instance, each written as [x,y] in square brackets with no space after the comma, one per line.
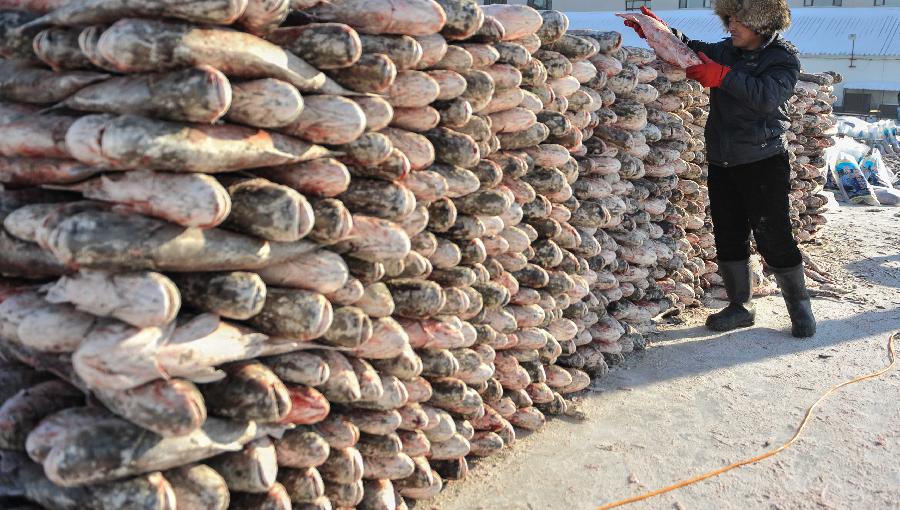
[812,129]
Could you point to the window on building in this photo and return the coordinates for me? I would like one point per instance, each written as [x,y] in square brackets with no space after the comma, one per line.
[634,5]
[541,5]
[837,3]
[695,4]
[808,3]
[877,3]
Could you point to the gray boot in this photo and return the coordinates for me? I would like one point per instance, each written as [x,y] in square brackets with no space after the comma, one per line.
[792,283]
[739,313]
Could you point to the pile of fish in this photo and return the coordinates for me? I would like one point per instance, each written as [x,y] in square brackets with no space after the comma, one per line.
[282,254]
[579,198]
[273,254]
[702,239]
[691,201]
[688,223]
[648,155]
[813,127]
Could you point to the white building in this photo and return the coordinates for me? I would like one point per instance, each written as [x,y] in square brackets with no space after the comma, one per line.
[861,43]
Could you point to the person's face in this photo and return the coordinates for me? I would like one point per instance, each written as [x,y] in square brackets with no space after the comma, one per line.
[742,36]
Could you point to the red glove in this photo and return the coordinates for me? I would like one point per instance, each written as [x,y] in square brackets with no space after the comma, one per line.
[709,74]
[637,27]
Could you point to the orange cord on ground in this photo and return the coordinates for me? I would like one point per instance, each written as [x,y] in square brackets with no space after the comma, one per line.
[766,455]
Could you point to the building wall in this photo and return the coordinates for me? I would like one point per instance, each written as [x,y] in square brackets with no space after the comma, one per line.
[662,5]
[842,3]
[864,70]
[830,3]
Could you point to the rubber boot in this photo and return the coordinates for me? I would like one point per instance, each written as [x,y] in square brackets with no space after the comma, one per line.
[792,283]
[739,313]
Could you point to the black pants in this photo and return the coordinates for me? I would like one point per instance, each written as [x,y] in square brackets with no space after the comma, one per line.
[753,197]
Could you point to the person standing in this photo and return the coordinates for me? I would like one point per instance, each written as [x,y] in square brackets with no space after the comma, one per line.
[751,75]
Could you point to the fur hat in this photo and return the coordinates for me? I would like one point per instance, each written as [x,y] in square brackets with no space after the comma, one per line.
[763,16]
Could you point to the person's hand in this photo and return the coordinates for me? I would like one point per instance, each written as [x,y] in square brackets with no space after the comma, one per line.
[710,74]
[637,26]
[647,12]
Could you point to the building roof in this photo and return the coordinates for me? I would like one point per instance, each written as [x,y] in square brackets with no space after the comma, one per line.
[872,85]
[816,31]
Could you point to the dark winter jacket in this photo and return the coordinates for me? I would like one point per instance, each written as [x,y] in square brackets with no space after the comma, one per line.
[748,115]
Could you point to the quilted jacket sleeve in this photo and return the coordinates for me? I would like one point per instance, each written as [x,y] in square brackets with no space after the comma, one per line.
[767,91]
